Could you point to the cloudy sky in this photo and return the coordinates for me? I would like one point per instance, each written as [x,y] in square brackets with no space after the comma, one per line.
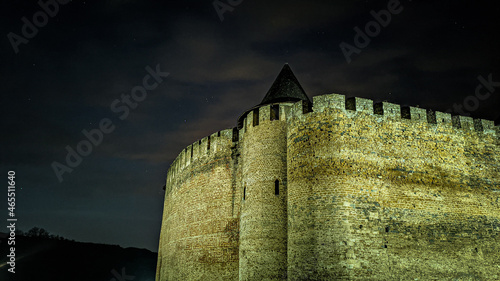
[61,74]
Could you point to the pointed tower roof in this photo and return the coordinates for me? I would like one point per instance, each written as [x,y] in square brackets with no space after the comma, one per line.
[286,88]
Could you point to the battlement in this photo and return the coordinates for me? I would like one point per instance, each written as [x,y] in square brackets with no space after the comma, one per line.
[394,112]
[200,149]
[269,112]
[332,102]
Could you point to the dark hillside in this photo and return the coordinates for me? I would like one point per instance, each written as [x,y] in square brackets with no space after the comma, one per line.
[59,259]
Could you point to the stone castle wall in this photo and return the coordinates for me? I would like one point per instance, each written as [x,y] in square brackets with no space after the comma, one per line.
[199,233]
[366,191]
[376,196]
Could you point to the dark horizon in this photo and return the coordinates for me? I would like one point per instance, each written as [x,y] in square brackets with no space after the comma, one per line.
[73,75]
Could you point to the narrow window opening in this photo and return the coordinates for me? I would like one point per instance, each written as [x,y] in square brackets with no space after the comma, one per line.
[405,113]
[208,144]
[378,108]
[191,151]
[235,134]
[245,193]
[275,112]
[218,133]
[431,117]
[277,187]
[256,117]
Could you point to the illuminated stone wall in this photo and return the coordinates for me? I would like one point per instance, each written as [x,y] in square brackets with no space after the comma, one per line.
[263,219]
[199,234]
[365,191]
[372,195]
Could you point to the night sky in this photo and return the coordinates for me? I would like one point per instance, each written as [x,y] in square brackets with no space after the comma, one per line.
[91,55]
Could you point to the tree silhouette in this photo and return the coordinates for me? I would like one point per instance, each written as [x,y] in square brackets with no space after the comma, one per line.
[33,232]
[38,233]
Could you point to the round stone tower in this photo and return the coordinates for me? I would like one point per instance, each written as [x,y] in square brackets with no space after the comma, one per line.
[263,148]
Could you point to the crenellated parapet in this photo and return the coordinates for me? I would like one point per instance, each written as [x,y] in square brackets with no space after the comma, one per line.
[211,145]
[199,151]
[269,112]
[214,143]
[394,112]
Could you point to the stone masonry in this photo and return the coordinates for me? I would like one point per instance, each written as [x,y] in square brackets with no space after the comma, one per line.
[335,189]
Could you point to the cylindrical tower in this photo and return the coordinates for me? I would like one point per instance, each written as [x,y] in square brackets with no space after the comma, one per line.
[263,221]
[263,148]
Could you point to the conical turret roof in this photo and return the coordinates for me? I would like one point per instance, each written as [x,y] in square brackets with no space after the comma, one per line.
[286,88]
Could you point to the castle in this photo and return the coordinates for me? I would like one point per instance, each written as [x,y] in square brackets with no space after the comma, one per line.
[335,189]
